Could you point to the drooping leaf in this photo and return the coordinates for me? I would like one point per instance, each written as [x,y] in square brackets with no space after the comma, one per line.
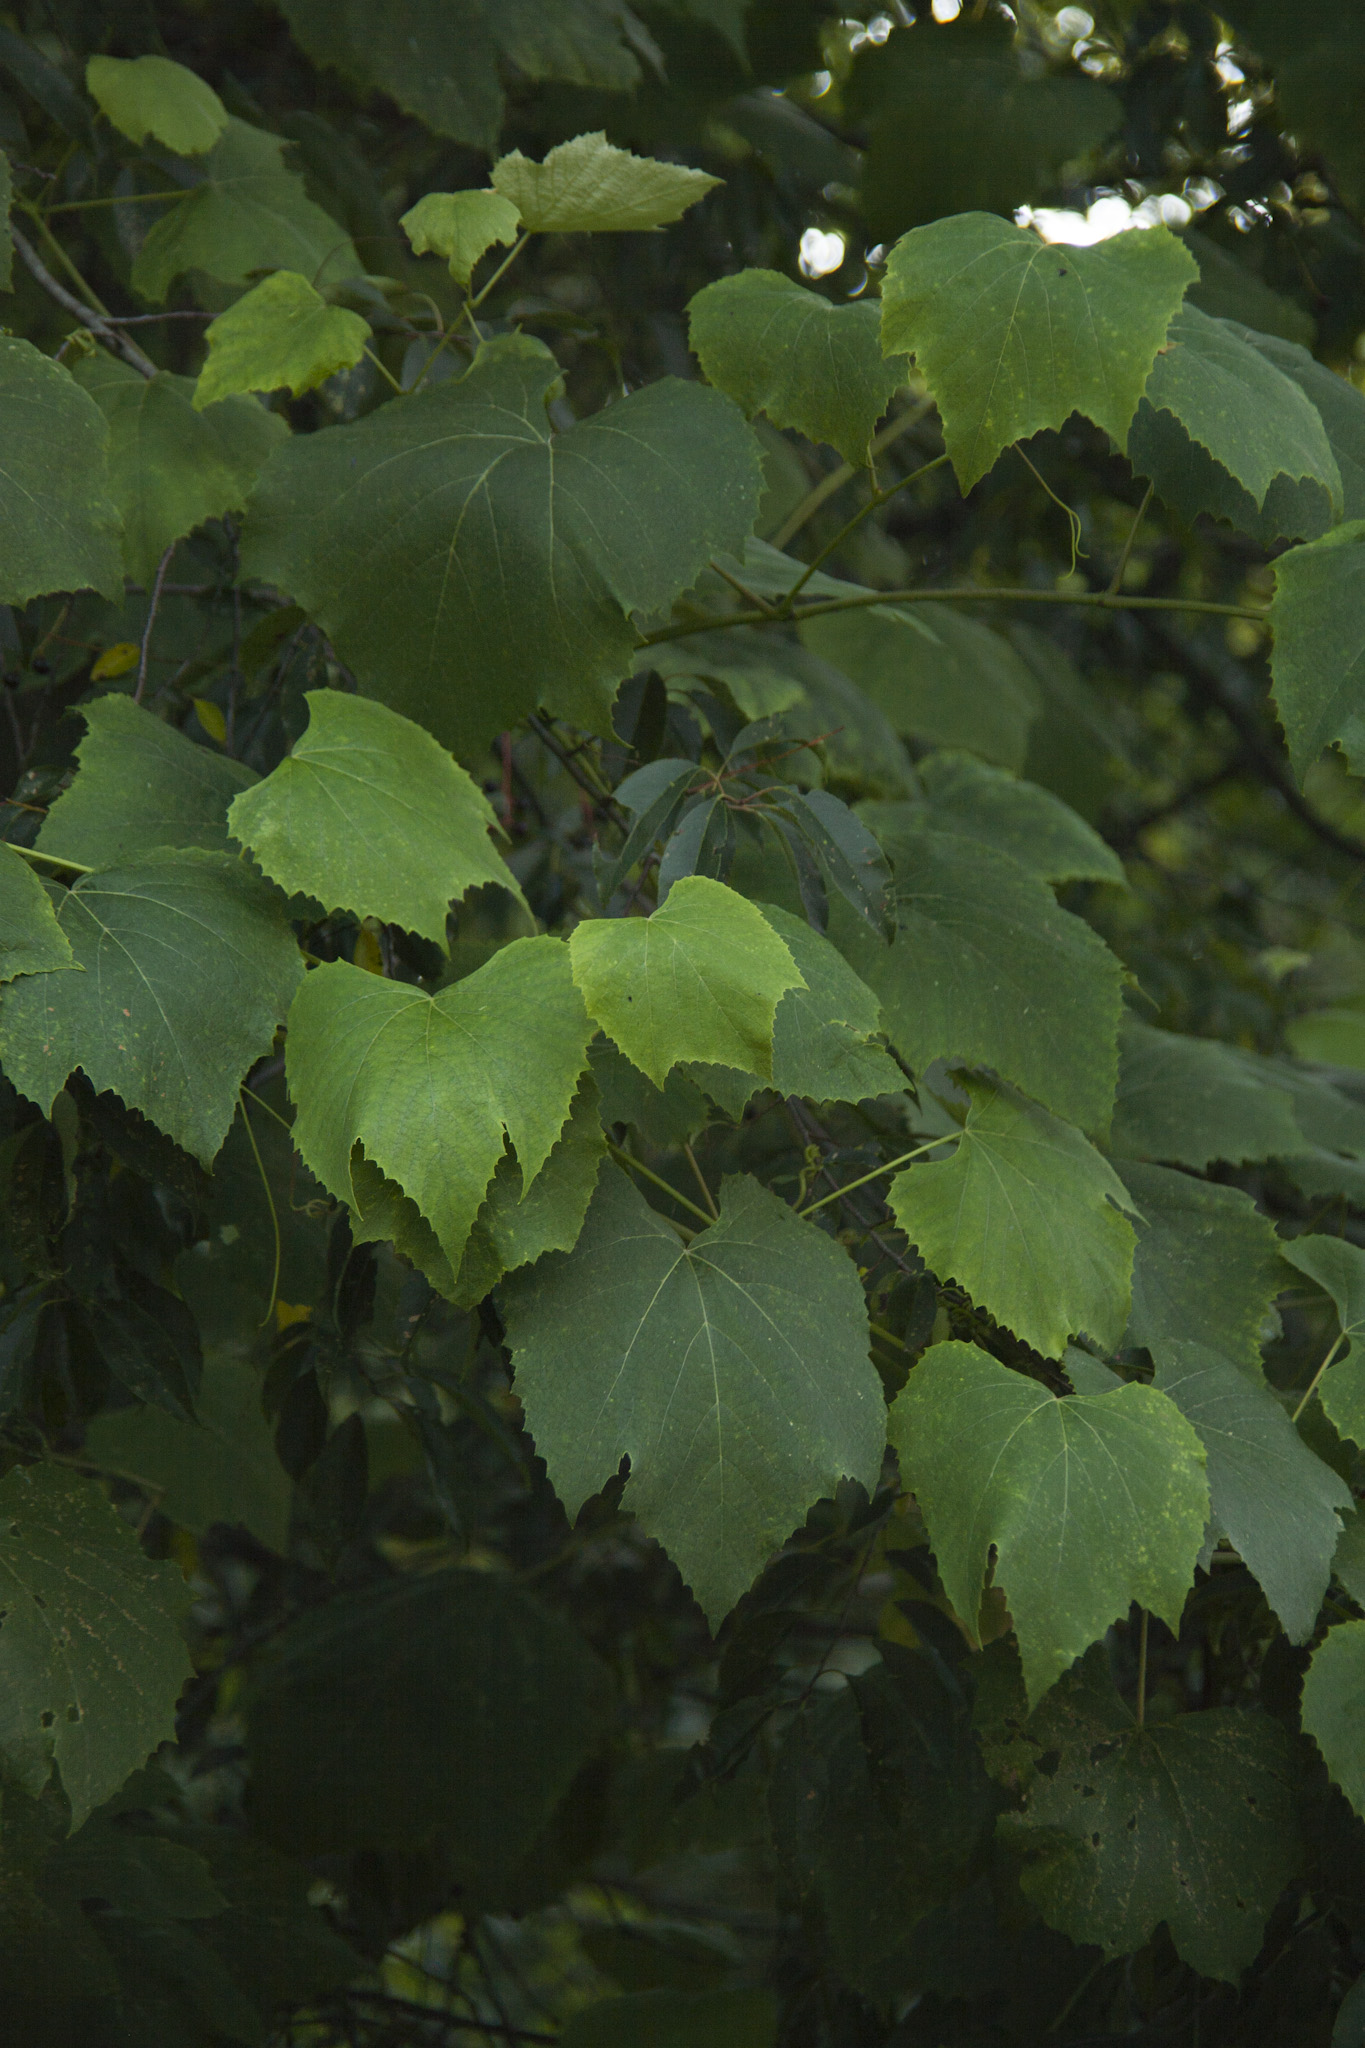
[31,940]
[699,980]
[389,1691]
[1043,834]
[733,1373]
[432,1086]
[91,1654]
[1334,1706]
[152,96]
[1317,663]
[1339,1269]
[280,336]
[1278,1504]
[189,970]
[249,213]
[369,814]
[463,589]
[1091,1501]
[59,529]
[1189,1101]
[171,467]
[1026,1216]
[590,185]
[141,785]
[777,348]
[461,226]
[1188,1821]
[1013,334]
[1206,1267]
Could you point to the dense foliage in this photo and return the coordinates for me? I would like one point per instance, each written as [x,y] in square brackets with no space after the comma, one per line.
[683,1034]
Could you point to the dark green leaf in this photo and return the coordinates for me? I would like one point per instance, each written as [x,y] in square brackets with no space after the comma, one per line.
[31,940]
[1043,834]
[59,529]
[1206,1267]
[1190,1101]
[1318,660]
[1334,1703]
[142,786]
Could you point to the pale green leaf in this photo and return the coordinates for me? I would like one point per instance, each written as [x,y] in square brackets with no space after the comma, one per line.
[590,185]
[733,1373]
[220,1468]
[1278,1505]
[699,980]
[1318,660]
[963,795]
[461,226]
[470,564]
[152,96]
[1190,1101]
[1013,334]
[248,214]
[190,966]
[369,814]
[1334,1707]
[280,336]
[1206,1267]
[59,529]
[91,1655]
[1339,1269]
[170,467]
[1091,1501]
[431,1086]
[31,940]
[1188,1821]
[1024,1217]
[141,785]
[777,348]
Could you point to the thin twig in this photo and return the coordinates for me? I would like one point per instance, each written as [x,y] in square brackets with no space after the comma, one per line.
[874,504]
[144,652]
[837,478]
[706,1194]
[572,767]
[1116,580]
[891,1166]
[1312,1386]
[102,328]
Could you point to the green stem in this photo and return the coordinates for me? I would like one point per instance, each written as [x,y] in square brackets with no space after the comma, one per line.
[892,1166]
[1116,580]
[68,266]
[700,1177]
[386,374]
[1312,1386]
[888,1336]
[628,1159]
[56,860]
[837,478]
[118,199]
[501,271]
[874,504]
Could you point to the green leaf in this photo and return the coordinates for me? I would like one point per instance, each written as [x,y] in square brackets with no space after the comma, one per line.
[362,1718]
[464,590]
[248,214]
[967,797]
[986,969]
[733,1373]
[1206,1267]
[31,940]
[151,96]
[461,226]
[1091,1502]
[1190,1101]
[777,348]
[91,1655]
[1221,430]
[1338,404]
[700,979]
[1025,1216]
[1334,1706]
[822,1031]
[1013,334]
[58,527]
[369,814]
[280,336]
[170,467]
[431,1085]
[189,970]
[220,1468]
[676,2019]
[141,785]
[6,237]
[1317,663]
[1339,1269]
[1279,1505]
[665,1116]
[588,185]
[1189,1821]
[1348,1561]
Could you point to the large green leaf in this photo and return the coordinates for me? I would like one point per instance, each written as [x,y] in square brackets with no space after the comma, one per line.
[1334,1706]
[733,1373]
[1334,397]
[1279,1505]
[1190,1101]
[1013,334]
[1023,1217]
[779,349]
[1091,1502]
[152,97]
[59,529]
[1318,660]
[369,814]
[461,226]
[281,335]
[470,564]
[1206,1267]
[589,186]
[432,1086]
[986,968]
[364,1717]
[700,979]
[1189,1821]
[189,969]
[1339,1269]
[1043,834]
[141,785]
[31,940]
[822,1033]
[91,1655]
[248,214]
[171,467]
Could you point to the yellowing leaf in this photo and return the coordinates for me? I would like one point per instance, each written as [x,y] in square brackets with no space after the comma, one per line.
[115,661]
[461,226]
[280,336]
[210,716]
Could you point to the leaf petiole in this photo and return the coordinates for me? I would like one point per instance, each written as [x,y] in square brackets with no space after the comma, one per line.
[876,1174]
